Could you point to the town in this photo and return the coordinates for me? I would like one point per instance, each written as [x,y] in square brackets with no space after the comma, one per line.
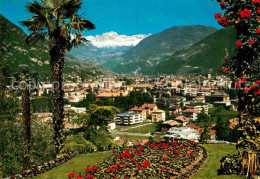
[175,107]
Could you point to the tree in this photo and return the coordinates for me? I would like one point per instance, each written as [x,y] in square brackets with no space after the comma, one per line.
[27,82]
[243,69]
[57,22]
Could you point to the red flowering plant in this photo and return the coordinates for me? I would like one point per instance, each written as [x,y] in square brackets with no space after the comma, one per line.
[244,70]
[128,163]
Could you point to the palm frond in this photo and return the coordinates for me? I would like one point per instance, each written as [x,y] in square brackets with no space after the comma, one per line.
[35,37]
[34,7]
[70,7]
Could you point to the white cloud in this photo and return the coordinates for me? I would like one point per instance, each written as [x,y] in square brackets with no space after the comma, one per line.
[112,39]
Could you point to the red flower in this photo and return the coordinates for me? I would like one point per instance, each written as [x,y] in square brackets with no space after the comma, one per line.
[183,146]
[146,164]
[175,156]
[237,84]
[165,158]
[239,44]
[245,14]
[252,42]
[113,151]
[238,21]
[95,167]
[90,176]
[116,168]
[258,10]
[162,169]
[258,31]
[176,152]
[243,81]
[223,21]
[225,59]
[168,153]
[111,169]
[225,71]
[218,16]
[152,145]
[257,82]
[253,87]
[89,169]
[118,164]
[219,68]
[246,89]
[223,4]
[132,160]
[79,177]
[139,167]
[185,154]
[124,167]
[257,93]
[255,2]
[71,175]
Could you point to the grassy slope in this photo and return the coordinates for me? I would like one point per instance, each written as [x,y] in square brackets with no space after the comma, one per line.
[207,54]
[80,162]
[77,165]
[216,152]
[143,129]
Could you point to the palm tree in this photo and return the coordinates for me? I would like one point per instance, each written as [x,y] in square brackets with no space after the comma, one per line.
[28,81]
[57,22]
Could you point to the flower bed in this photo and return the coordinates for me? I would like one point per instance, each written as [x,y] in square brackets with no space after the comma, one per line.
[152,160]
[36,170]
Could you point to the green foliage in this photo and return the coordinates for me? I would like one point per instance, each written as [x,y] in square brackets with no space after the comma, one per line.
[41,104]
[11,136]
[204,137]
[102,139]
[77,143]
[230,165]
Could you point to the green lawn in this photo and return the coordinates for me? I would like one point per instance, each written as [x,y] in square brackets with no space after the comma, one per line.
[77,165]
[216,152]
[80,162]
[143,129]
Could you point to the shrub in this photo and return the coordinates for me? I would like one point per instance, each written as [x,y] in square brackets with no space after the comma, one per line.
[230,165]
[77,143]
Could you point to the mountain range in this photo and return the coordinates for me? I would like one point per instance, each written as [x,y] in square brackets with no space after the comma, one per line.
[36,56]
[180,50]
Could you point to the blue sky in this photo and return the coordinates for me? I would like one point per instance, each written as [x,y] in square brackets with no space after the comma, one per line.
[131,17]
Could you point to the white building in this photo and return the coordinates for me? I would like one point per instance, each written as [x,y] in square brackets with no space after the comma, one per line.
[68,108]
[181,133]
[129,118]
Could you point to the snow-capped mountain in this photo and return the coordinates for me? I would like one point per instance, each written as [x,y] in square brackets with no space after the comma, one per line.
[112,39]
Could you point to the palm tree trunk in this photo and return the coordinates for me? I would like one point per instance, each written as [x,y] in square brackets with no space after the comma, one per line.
[57,64]
[26,128]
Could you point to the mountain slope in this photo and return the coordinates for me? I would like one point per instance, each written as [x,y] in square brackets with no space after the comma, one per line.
[155,48]
[36,56]
[206,55]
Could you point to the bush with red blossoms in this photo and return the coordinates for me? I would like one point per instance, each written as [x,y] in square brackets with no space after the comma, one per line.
[244,69]
[157,160]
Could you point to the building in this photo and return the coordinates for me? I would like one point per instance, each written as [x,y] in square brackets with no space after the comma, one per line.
[140,110]
[182,120]
[192,114]
[169,124]
[150,107]
[128,118]
[158,115]
[68,108]
[181,133]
